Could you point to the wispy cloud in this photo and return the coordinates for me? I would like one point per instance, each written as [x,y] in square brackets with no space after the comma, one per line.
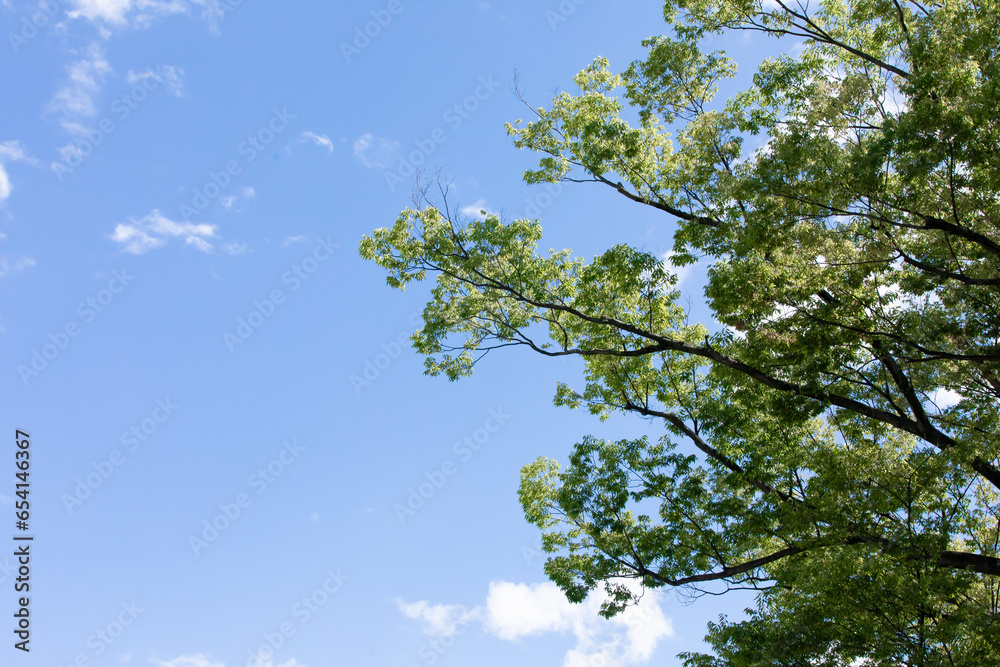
[514,611]
[112,11]
[682,272]
[200,660]
[476,210]
[440,620]
[10,151]
[375,151]
[74,101]
[154,230]
[172,78]
[196,660]
[199,243]
[126,13]
[14,265]
[245,193]
[318,139]
[214,11]
[111,15]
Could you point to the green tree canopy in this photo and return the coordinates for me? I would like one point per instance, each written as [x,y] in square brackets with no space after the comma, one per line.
[832,439]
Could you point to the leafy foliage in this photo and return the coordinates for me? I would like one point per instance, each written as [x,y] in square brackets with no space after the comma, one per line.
[855,272]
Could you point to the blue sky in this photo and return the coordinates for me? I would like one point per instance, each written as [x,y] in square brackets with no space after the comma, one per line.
[227,421]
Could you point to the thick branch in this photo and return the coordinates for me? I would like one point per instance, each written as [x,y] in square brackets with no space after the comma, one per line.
[690,217]
[725,572]
[929,268]
[980,564]
[668,344]
[960,560]
[821,35]
[712,452]
[982,240]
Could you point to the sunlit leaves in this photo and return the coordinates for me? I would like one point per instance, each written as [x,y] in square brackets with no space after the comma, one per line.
[831,438]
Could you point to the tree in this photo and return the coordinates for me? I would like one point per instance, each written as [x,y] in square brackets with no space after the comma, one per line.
[832,438]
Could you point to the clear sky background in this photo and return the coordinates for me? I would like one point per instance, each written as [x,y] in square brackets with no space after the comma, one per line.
[189,336]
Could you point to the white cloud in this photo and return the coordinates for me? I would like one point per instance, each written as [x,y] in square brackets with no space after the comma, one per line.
[213,12]
[514,611]
[246,193]
[235,248]
[683,272]
[476,210]
[75,100]
[10,151]
[375,151]
[200,660]
[294,239]
[521,610]
[121,13]
[945,398]
[171,77]
[141,14]
[196,660]
[199,243]
[318,139]
[781,312]
[14,265]
[153,231]
[441,620]
[5,186]
[112,11]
